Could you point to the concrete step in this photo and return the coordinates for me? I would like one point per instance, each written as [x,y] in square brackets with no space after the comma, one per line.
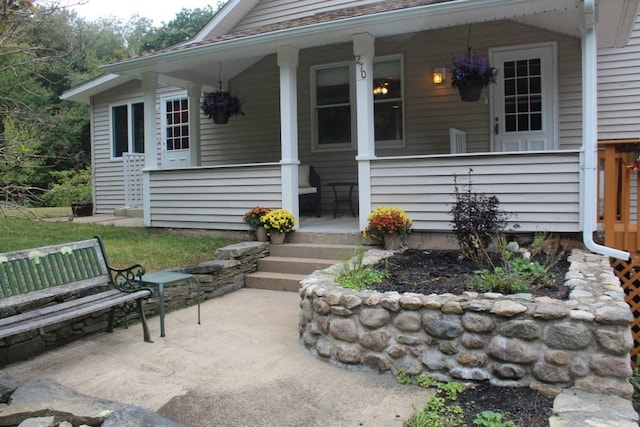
[313,250]
[327,237]
[277,264]
[273,281]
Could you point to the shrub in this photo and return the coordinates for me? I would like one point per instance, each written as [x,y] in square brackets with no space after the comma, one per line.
[71,186]
[476,218]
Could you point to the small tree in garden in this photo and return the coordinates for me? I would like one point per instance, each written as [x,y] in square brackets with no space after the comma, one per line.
[477,217]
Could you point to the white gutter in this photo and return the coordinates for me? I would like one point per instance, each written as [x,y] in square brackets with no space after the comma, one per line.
[590,134]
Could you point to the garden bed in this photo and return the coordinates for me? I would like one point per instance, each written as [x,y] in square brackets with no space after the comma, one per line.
[507,340]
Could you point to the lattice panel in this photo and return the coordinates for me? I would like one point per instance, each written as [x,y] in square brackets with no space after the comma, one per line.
[629,274]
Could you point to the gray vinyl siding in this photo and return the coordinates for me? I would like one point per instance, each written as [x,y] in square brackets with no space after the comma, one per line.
[268,12]
[619,90]
[108,172]
[211,197]
[540,191]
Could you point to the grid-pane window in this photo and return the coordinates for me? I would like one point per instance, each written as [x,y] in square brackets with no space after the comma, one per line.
[177,124]
[127,127]
[523,95]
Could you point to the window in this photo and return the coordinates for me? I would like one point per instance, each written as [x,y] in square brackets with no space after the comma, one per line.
[333,108]
[176,124]
[127,126]
[387,102]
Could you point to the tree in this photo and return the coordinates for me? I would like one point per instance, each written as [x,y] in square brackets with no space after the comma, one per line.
[184,26]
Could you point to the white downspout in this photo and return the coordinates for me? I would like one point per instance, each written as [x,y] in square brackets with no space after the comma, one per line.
[590,133]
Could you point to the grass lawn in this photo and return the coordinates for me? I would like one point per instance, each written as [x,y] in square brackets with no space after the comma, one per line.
[154,249]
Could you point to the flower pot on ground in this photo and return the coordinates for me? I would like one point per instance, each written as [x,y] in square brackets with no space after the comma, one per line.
[470,73]
[277,238]
[220,105]
[278,221]
[82,209]
[388,227]
[262,235]
[252,219]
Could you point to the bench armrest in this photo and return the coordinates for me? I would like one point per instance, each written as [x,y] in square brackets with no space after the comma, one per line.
[128,279]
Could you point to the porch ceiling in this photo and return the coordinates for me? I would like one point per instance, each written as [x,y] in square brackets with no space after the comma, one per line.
[200,61]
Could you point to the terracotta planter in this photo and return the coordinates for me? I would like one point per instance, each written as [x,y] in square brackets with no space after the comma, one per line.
[277,238]
[220,117]
[392,242]
[470,92]
[261,234]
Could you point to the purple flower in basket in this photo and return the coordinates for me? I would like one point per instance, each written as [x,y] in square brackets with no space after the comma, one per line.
[472,68]
[221,100]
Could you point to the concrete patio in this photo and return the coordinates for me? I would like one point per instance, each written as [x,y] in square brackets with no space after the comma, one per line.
[243,366]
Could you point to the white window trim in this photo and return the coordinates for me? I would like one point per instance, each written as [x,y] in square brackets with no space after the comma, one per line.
[398,143]
[347,146]
[163,115]
[112,147]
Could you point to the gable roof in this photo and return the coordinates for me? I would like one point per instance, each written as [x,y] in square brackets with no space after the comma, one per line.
[218,44]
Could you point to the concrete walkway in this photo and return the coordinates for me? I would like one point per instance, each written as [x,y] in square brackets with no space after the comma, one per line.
[243,366]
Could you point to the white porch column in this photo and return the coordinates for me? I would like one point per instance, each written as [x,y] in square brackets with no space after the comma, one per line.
[149,86]
[363,49]
[288,63]
[194,91]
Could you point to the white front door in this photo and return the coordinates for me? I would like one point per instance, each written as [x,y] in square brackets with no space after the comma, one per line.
[523,100]
[176,151]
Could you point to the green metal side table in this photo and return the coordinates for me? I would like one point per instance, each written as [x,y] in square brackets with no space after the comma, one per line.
[161,278]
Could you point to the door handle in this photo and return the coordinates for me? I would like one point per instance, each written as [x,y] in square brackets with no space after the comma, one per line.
[496,127]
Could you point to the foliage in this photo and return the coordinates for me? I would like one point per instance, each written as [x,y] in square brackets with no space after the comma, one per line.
[155,249]
[439,411]
[635,377]
[404,378]
[476,218]
[71,186]
[516,271]
[491,419]
[357,276]
[183,27]
[221,100]
[425,381]
[385,221]
[253,216]
[280,220]
[472,68]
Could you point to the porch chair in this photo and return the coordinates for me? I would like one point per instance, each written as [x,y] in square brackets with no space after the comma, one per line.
[458,141]
[309,189]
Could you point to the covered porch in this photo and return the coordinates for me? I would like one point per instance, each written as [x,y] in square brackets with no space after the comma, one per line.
[254,159]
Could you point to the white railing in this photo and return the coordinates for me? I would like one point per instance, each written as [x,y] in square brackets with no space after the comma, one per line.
[133,163]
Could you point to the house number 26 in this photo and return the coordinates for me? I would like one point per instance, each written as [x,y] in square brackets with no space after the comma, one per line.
[363,72]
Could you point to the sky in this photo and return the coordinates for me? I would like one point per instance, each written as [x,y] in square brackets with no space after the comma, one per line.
[156,10]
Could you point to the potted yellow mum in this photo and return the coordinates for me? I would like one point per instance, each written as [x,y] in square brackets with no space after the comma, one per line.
[278,223]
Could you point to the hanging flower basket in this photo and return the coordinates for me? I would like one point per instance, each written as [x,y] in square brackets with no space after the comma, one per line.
[470,72]
[220,105]
[470,92]
[220,116]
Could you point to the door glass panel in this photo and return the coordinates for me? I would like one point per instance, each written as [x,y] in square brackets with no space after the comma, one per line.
[522,90]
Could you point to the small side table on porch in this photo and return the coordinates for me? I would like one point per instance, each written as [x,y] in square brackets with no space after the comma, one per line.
[338,199]
[161,278]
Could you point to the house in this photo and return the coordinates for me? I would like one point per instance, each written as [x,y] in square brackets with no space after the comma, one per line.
[306,73]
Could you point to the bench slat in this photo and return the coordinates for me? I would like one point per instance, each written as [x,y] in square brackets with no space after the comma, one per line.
[54,307]
[88,306]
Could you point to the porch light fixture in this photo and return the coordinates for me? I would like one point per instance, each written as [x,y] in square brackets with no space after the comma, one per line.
[439,75]
[381,89]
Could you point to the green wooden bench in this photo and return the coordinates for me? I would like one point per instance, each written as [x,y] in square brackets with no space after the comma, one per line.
[48,285]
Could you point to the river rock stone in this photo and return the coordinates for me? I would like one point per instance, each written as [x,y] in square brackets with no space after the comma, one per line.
[376,362]
[512,350]
[551,373]
[509,371]
[525,329]
[472,341]
[508,308]
[135,416]
[344,330]
[374,317]
[442,326]
[474,322]
[616,342]
[320,306]
[568,336]
[376,340]
[348,354]
[611,366]
[408,321]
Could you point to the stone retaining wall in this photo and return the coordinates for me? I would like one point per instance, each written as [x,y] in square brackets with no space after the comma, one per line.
[217,277]
[507,339]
